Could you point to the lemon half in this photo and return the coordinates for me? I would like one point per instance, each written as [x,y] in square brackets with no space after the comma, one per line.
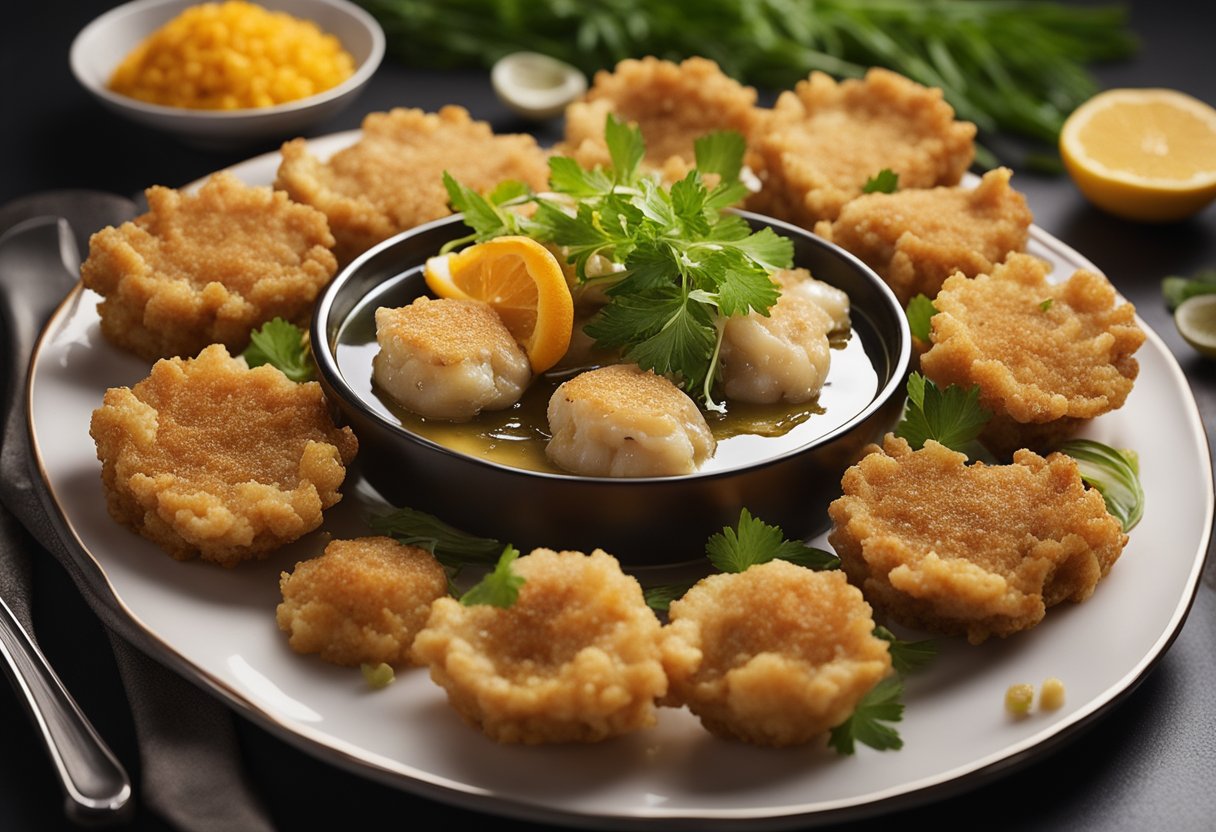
[1195,318]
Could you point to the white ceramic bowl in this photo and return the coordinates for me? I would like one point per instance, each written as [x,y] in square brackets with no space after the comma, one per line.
[101,46]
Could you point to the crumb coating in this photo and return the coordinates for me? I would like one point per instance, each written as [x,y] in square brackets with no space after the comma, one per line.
[362,600]
[915,239]
[776,655]
[976,550]
[575,659]
[391,179]
[673,104]
[1043,372]
[211,459]
[207,267]
[823,140]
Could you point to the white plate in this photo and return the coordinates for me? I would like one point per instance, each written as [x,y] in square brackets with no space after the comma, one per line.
[217,626]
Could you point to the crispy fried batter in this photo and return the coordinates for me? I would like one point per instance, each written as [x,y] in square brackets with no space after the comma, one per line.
[775,655]
[822,141]
[206,268]
[980,550]
[363,600]
[1043,372]
[575,659]
[673,104]
[392,178]
[917,238]
[621,421]
[208,458]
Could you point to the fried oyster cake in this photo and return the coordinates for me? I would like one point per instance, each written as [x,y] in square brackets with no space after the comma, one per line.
[208,458]
[673,104]
[776,655]
[915,239]
[207,267]
[391,179]
[976,550]
[1047,357]
[823,140]
[574,660]
[361,601]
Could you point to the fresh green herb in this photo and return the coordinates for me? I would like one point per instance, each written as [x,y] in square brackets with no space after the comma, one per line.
[488,216]
[659,598]
[954,416]
[688,264]
[920,312]
[377,675]
[500,587]
[886,181]
[866,725]
[754,542]
[282,345]
[1114,473]
[452,547]
[907,656]
[1176,289]
[1045,304]
[1016,66]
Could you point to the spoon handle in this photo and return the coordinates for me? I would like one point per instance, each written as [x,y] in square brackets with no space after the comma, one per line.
[96,787]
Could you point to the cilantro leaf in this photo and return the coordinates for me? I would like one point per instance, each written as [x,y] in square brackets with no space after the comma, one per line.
[451,546]
[920,312]
[659,598]
[567,176]
[1045,304]
[866,724]
[282,345]
[720,152]
[907,656]
[954,416]
[479,213]
[1114,473]
[753,542]
[886,181]
[500,587]
[626,147]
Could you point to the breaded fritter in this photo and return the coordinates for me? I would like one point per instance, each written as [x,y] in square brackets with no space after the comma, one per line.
[776,655]
[976,550]
[574,659]
[782,356]
[448,358]
[361,601]
[621,421]
[1047,357]
[207,267]
[673,104]
[211,459]
[823,140]
[391,179]
[915,239]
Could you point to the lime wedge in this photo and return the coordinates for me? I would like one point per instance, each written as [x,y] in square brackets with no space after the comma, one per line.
[1195,318]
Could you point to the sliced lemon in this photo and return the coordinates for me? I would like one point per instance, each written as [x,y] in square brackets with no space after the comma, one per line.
[1195,318]
[1143,154]
[524,283]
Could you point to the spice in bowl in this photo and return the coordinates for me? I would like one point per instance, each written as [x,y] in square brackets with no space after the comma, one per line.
[232,55]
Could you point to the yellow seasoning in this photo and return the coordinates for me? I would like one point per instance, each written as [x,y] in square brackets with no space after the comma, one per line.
[1051,694]
[1018,699]
[232,55]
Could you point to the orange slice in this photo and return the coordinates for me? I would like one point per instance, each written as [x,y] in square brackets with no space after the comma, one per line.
[1143,154]
[523,281]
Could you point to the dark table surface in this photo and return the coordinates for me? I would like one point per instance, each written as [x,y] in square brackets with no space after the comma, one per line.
[1148,762]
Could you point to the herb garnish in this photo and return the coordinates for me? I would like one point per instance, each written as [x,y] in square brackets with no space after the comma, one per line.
[954,416]
[450,546]
[907,656]
[500,587]
[282,345]
[880,705]
[920,312]
[688,264]
[1175,289]
[886,181]
[753,542]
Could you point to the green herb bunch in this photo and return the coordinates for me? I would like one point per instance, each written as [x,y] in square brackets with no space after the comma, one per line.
[1013,66]
[687,263]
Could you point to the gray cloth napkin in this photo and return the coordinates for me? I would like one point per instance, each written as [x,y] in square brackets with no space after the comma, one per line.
[189,757]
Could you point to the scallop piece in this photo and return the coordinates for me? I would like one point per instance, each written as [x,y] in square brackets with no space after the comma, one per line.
[782,356]
[831,299]
[448,359]
[622,421]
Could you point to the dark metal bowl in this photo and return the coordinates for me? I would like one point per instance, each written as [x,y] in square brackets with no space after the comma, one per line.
[639,520]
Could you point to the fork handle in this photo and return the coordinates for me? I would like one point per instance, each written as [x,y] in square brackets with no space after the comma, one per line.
[96,787]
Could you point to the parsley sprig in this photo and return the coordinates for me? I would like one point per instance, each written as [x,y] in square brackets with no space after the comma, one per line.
[753,542]
[688,263]
[868,722]
[953,416]
[500,587]
[283,345]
